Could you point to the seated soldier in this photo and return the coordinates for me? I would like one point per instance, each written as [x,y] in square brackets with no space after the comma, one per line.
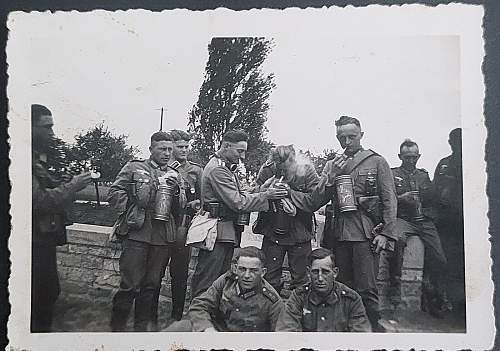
[324,305]
[240,300]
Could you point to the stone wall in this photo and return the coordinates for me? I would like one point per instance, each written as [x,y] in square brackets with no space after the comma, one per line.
[89,267]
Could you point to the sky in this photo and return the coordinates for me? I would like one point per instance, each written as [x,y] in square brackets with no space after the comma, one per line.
[120,68]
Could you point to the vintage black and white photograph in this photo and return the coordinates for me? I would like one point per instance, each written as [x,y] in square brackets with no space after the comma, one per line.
[278,171]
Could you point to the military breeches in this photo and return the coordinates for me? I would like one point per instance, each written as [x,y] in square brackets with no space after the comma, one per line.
[297,262]
[434,257]
[44,287]
[358,269]
[179,256]
[141,269]
[451,232]
[211,265]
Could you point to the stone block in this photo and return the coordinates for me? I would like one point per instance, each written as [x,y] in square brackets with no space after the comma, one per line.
[413,289]
[414,253]
[111,264]
[63,248]
[110,280]
[166,290]
[69,259]
[72,287]
[102,292]
[88,234]
[413,275]
[76,274]
[92,262]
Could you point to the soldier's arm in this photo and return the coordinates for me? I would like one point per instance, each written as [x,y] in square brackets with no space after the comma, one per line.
[224,184]
[426,189]
[320,194]
[358,321]
[205,305]
[274,313]
[118,192]
[291,315]
[55,198]
[388,198]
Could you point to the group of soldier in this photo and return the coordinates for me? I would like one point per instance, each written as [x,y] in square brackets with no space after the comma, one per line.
[240,289]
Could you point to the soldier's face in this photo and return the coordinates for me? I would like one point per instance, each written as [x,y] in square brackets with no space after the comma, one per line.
[234,152]
[42,131]
[181,150]
[349,137]
[249,271]
[322,274]
[409,157]
[161,151]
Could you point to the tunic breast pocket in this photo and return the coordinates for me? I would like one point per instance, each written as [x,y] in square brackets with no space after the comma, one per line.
[367,181]
[144,189]
[308,320]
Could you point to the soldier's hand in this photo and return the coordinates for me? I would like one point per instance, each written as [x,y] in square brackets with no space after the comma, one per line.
[195,204]
[268,183]
[335,167]
[81,181]
[276,193]
[379,243]
[289,207]
[211,329]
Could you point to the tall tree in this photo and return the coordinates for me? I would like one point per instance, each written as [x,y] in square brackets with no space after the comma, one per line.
[100,148]
[233,95]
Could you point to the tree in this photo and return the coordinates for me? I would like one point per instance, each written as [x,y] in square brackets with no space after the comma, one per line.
[233,95]
[319,160]
[99,148]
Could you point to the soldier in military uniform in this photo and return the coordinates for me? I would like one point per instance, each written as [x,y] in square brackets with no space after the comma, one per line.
[352,235]
[286,233]
[450,219]
[323,305]
[220,189]
[50,198]
[415,217]
[179,253]
[147,247]
[240,300]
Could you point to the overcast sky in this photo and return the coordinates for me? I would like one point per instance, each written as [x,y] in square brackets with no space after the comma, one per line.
[121,67]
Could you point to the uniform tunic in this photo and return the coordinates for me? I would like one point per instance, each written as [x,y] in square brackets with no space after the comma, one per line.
[450,223]
[226,308]
[147,249]
[219,184]
[341,311]
[49,201]
[435,259]
[296,243]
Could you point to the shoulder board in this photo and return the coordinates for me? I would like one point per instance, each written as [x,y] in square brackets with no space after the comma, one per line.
[373,152]
[303,289]
[138,160]
[422,170]
[345,291]
[271,295]
[195,164]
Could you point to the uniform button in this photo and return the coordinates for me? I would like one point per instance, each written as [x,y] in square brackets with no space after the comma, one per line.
[323,318]
[276,241]
[263,289]
[274,258]
[237,310]
[343,292]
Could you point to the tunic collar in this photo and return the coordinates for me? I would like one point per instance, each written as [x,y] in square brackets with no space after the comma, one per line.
[330,299]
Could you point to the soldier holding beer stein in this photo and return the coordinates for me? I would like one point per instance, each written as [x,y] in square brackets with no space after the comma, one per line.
[145,192]
[223,197]
[286,230]
[416,215]
[360,184]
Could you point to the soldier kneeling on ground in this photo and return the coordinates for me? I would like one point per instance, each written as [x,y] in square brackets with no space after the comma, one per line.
[323,305]
[240,300]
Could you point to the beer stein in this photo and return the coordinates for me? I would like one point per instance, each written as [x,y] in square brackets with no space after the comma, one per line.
[243,218]
[345,193]
[163,201]
[418,214]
